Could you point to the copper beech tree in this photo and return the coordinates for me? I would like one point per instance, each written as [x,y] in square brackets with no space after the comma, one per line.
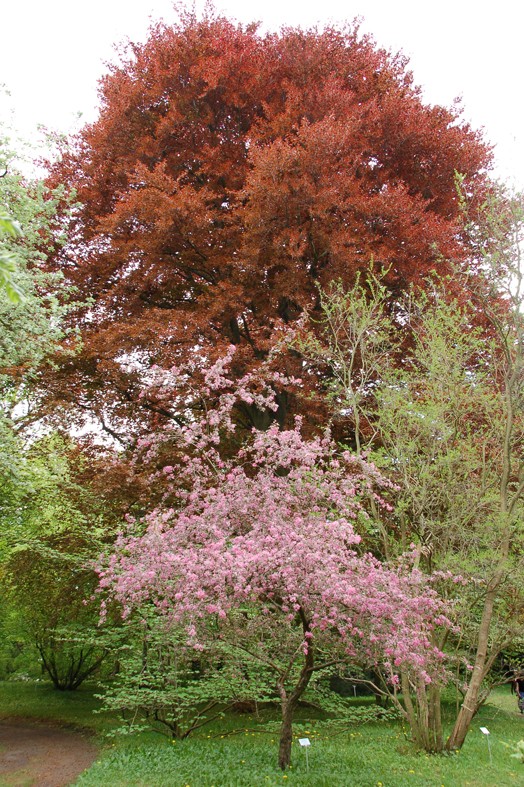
[227,173]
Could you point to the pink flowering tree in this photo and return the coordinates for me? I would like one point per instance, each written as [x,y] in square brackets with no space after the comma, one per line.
[261,551]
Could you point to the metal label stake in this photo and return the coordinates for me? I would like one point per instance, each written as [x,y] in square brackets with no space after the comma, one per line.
[485,731]
[305,742]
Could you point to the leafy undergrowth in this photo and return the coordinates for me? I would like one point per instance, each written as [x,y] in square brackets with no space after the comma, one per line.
[242,753]
[241,750]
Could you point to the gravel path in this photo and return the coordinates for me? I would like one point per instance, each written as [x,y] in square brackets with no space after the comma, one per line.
[39,755]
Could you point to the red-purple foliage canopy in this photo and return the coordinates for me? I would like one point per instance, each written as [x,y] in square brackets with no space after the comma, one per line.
[227,172]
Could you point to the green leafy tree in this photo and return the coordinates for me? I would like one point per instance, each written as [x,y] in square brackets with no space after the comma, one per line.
[32,306]
[165,684]
[31,328]
[433,387]
[54,526]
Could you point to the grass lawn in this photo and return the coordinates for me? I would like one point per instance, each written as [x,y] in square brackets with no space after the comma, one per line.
[242,752]
[40,701]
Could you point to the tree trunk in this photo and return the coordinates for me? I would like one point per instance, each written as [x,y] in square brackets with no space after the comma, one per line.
[423,713]
[470,704]
[435,719]
[409,709]
[289,701]
[286,735]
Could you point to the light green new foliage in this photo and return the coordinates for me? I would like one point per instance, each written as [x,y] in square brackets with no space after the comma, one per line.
[437,416]
[44,515]
[440,416]
[433,388]
[165,684]
[35,302]
[30,318]
[8,268]
[53,527]
[356,343]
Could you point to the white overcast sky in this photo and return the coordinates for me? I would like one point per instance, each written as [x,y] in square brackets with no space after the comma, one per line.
[52,54]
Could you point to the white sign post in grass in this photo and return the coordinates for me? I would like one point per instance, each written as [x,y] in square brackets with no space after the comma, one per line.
[485,731]
[305,742]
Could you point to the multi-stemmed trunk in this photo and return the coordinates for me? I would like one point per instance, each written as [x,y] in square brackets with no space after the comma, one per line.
[421,708]
[509,497]
[483,660]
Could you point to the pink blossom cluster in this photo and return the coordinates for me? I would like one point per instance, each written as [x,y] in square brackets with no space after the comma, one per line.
[274,528]
[216,391]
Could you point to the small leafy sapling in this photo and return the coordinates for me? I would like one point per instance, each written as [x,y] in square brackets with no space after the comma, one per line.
[164,684]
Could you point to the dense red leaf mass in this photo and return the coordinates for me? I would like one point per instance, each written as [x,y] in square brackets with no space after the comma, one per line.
[227,173]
